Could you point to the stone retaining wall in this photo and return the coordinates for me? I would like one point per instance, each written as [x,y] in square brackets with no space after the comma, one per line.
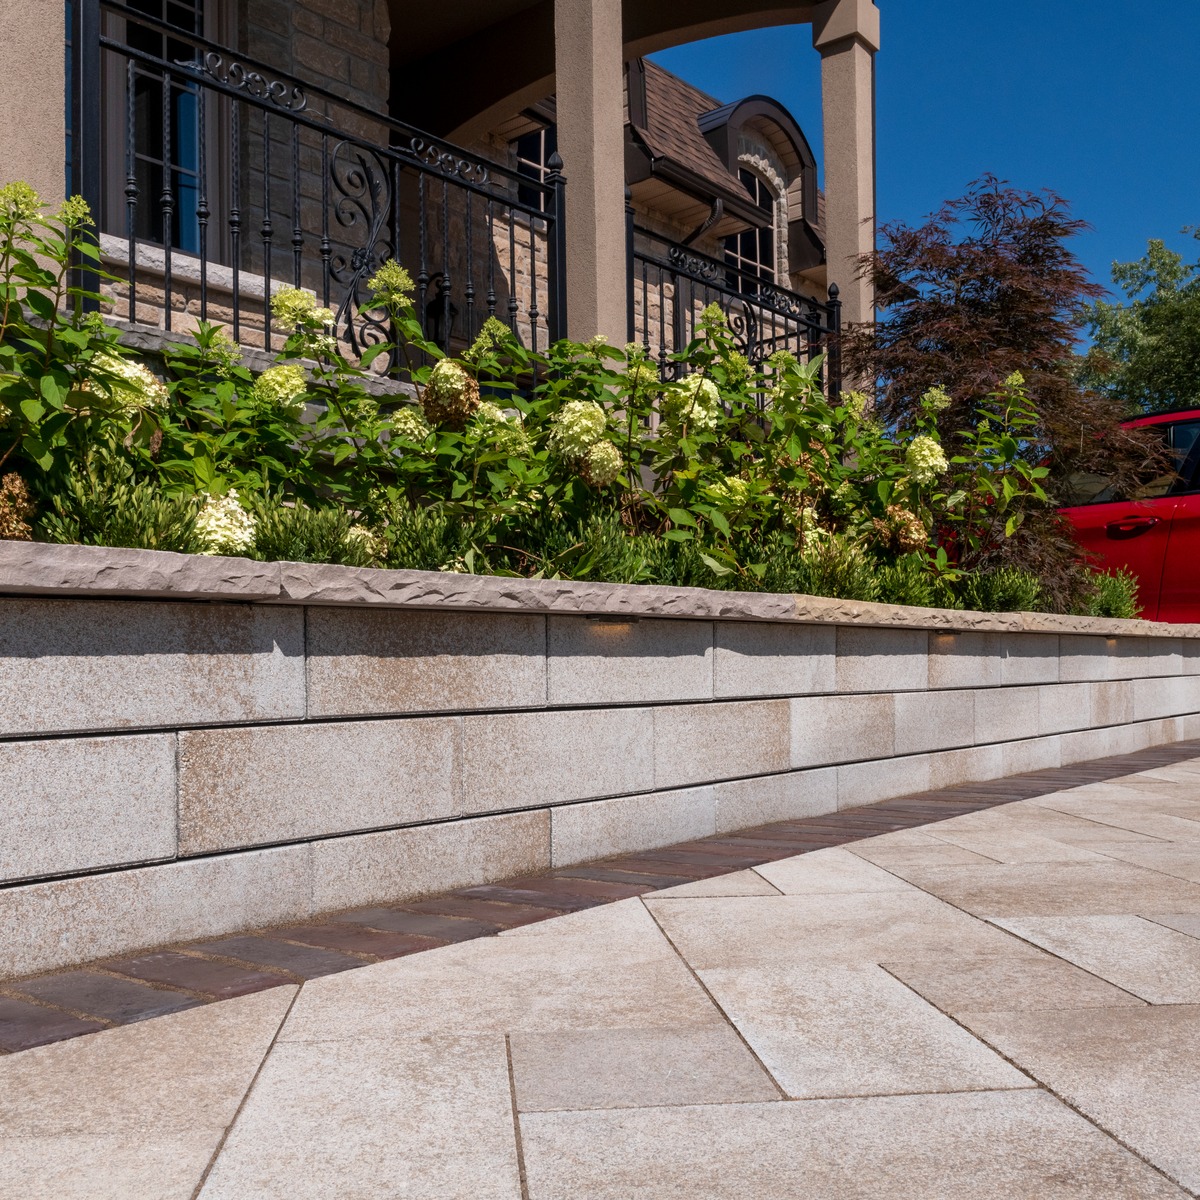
[191,746]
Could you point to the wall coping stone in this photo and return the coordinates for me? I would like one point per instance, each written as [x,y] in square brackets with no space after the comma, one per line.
[42,569]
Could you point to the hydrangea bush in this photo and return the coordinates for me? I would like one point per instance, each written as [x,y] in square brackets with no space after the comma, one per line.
[581,461]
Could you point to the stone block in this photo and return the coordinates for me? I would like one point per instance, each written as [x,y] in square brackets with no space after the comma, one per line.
[83,665]
[1063,706]
[521,760]
[67,921]
[870,782]
[1005,714]
[1191,656]
[76,804]
[965,660]
[757,659]
[601,661]
[834,729]
[601,828]
[1110,703]
[1154,698]
[882,660]
[400,864]
[32,568]
[245,787]
[378,660]
[701,743]
[1104,743]
[1085,658]
[1033,754]
[1163,656]
[934,720]
[742,803]
[1028,658]
[952,768]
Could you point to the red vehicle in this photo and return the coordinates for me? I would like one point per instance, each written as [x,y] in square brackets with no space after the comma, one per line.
[1156,533]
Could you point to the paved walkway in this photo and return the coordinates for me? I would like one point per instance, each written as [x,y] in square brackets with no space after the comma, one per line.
[1003,1005]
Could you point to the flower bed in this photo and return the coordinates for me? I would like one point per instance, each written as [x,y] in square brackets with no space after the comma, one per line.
[584,462]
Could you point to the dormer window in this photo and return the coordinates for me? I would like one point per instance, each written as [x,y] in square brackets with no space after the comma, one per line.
[750,256]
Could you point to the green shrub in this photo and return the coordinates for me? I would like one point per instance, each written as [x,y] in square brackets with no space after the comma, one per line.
[299,532]
[598,547]
[430,539]
[102,504]
[1115,595]
[911,579]
[835,566]
[1002,589]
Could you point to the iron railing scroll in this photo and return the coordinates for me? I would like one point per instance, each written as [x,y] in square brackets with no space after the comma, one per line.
[218,180]
[671,285]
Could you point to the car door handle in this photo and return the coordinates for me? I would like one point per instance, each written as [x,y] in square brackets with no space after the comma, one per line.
[1130,527]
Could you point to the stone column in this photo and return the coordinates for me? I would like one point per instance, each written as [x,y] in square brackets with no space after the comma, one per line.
[33,134]
[846,32]
[589,86]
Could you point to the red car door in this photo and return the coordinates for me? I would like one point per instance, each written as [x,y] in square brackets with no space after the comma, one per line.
[1130,534]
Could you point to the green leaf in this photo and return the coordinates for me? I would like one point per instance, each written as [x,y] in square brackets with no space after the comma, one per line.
[681,516]
[715,567]
[33,409]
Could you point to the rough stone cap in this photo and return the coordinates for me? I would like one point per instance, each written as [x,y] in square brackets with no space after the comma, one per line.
[40,569]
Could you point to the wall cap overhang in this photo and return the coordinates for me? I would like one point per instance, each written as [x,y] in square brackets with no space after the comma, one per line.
[101,572]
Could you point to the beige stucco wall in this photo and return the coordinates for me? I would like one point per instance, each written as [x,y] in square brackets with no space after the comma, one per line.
[32,91]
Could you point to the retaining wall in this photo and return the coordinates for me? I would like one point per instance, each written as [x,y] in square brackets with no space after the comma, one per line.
[190,746]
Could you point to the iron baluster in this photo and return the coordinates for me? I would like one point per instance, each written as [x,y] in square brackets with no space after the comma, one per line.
[512,272]
[131,184]
[167,199]
[297,231]
[326,244]
[469,335]
[533,299]
[423,243]
[491,288]
[630,278]
[202,210]
[266,231]
[235,214]
[444,286]
[556,263]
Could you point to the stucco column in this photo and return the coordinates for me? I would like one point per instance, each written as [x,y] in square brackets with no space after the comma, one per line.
[589,86]
[33,96]
[846,32]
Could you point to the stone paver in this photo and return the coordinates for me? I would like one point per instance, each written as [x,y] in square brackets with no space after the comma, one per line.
[952,1000]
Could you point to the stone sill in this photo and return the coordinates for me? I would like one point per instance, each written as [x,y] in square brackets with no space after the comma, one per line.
[95,572]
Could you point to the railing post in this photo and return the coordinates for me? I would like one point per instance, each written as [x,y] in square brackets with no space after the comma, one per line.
[557,316]
[835,343]
[630,323]
[85,123]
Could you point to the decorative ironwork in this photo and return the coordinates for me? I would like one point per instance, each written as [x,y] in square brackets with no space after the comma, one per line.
[445,160]
[696,265]
[236,75]
[360,182]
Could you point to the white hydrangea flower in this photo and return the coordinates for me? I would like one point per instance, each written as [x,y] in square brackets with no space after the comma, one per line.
[132,385]
[451,395]
[925,460]
[369,540]
[409,423]
[282,388]
[503,430]
[696,404]
[601,465]
[937,399]
[731,490]
[578,426]
[225,526]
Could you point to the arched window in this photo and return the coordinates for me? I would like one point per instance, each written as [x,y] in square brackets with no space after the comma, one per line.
[750,256]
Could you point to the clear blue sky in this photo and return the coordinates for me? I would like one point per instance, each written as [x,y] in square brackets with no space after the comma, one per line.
[1096,99]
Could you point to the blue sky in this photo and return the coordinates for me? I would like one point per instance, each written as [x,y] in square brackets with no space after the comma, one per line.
[1095,99]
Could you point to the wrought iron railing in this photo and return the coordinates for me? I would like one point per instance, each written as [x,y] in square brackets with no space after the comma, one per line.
[671,285]
[218,180]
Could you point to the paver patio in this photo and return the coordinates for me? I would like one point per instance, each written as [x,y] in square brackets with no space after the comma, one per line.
[1003,1004]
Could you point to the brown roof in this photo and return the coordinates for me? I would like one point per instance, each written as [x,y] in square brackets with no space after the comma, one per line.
[672,128]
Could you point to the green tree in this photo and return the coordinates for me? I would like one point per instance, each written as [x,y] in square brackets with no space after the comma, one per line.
[1146,351]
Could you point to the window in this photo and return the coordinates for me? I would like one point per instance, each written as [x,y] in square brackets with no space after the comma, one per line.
[533,151]
[750,256]
[1181,438]
[165,122]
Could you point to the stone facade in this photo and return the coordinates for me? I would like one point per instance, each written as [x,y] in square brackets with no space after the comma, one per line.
[316,737]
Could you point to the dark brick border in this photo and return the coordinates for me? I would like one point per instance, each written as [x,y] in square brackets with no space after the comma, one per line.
[119,991]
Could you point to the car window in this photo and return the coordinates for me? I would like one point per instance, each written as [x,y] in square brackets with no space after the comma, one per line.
[1181,437]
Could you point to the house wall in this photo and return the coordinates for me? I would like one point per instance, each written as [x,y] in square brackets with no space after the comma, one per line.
[193,746]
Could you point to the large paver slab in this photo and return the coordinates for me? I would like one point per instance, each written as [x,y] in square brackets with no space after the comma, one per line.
[1134,1071]
[133,1113]
[375,1119]
[826,1031]
[1057,889]
[1159,965]
[834,870]
[635,1068]
[970,1146]
[837,927]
